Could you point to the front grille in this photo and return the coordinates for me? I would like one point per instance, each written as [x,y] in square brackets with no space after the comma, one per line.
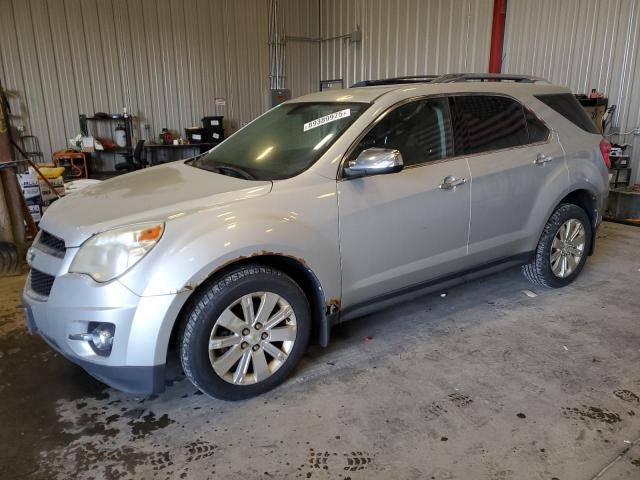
[50,244]
[40,282]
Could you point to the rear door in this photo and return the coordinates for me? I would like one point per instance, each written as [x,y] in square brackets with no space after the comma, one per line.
[514,159]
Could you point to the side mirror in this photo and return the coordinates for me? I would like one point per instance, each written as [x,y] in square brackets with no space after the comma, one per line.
[374,161]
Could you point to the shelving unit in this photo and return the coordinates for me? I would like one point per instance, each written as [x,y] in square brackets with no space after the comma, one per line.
[105,127]
[620,171]
[31,146]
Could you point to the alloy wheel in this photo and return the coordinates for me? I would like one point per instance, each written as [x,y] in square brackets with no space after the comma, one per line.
[567,248]
[252,338]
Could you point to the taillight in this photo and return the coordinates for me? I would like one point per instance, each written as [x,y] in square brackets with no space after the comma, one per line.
[605,149]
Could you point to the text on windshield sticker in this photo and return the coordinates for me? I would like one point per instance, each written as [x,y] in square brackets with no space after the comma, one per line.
[332,117]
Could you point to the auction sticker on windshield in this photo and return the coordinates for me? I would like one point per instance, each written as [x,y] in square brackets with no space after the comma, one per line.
[332,117]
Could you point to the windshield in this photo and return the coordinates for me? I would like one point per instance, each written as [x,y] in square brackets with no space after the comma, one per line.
[283,142]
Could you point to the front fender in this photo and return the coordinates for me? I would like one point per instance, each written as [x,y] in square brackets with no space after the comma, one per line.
[194,246]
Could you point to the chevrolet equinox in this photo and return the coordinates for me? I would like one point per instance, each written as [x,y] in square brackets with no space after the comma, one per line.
[325,208]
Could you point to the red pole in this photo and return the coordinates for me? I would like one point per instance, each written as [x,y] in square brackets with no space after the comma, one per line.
[497,35]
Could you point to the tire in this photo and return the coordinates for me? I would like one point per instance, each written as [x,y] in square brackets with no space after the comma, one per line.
[221,304]
[9,262]
[539,270]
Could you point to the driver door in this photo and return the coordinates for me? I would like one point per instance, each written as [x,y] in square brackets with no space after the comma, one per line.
[402,229]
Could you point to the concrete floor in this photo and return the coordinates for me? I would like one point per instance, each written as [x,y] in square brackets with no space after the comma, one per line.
[486,382]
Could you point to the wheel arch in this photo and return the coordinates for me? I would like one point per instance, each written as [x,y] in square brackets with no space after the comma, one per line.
[588,201]
[322,309]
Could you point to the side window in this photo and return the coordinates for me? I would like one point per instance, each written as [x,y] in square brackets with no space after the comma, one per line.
[488,122]
[567,106]
[421,130]
[538,131]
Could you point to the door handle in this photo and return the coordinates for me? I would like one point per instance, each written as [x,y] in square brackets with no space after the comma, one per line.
[541,159]
[450,182]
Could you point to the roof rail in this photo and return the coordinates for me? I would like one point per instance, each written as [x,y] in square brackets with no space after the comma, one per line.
[488,77]
[396,81]
[452,78]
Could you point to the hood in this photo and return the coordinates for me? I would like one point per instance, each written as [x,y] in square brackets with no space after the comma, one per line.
[151,194]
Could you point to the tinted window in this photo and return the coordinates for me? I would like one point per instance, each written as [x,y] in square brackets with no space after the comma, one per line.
[483,123]
[538,131]
[567,106]
[421,130]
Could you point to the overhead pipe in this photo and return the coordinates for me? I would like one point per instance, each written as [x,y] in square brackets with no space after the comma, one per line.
[497,35]
[276,48]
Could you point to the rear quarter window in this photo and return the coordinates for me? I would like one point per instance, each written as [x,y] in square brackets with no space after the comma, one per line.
[567,106]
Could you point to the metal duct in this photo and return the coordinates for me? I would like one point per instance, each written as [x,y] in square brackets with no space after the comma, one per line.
[276,48]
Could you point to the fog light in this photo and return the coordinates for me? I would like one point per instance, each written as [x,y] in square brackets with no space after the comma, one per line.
[102,338]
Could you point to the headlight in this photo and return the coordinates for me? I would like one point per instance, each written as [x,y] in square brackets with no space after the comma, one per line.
[108,255]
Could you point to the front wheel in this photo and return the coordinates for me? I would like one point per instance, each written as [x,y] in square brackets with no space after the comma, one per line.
[245,333]
[563,248]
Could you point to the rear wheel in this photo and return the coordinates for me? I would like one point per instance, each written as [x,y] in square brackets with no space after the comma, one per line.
[563,248]
[245,333]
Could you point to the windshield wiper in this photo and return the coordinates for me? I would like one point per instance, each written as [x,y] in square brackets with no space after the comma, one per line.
[236,171]
[226,169]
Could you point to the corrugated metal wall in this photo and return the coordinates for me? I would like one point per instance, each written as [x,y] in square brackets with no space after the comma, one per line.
[165,60]
[582,44]
[301,58]
[404,37]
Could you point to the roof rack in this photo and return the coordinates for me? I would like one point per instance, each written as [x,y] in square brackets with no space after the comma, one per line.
[452,78]
[396,81]
[487,77]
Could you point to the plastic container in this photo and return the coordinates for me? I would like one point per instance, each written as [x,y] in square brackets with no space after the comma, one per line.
[214,123]
[195,135]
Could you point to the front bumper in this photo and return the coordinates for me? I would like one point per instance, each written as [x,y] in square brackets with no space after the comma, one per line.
[136,363]
[138,380]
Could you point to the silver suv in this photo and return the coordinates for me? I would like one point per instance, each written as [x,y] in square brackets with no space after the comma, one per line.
[323,209]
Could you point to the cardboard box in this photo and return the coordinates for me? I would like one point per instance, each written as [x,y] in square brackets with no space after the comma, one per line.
[47,194]
[35,212]
[35,189]
[29,185]
[596,113]
[27,180]
[31,192]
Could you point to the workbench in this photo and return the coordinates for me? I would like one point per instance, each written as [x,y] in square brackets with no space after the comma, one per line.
[156,154]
